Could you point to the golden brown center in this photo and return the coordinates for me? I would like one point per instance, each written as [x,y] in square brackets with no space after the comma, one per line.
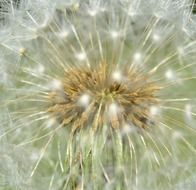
[104,95]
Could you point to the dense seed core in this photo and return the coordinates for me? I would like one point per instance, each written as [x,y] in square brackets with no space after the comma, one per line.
[102,94]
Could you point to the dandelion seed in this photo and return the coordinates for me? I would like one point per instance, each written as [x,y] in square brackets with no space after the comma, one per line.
[40,69]
[156,37]
[169,74]
[56,84]
[92,12]
[22,51]
[84,100]
[177,135]
[137,57]
[188,111]
[113,109]
[117,76]
[63,34]
[81,56]
[51,122]
[180,50]
[154,110]
[114,34]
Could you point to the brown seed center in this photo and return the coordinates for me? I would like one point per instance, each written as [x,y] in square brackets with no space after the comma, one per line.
[95,96]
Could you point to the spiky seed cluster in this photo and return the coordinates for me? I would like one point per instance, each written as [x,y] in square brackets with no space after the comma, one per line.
[101,65]
[101,94]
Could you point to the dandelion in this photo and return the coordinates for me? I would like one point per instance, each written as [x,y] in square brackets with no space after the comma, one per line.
[99,94]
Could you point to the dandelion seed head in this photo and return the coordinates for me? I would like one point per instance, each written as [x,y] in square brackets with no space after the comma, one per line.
[104,94]
[100,86]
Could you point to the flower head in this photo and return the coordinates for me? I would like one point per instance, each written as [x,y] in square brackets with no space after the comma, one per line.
[101,92]
[98,95]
